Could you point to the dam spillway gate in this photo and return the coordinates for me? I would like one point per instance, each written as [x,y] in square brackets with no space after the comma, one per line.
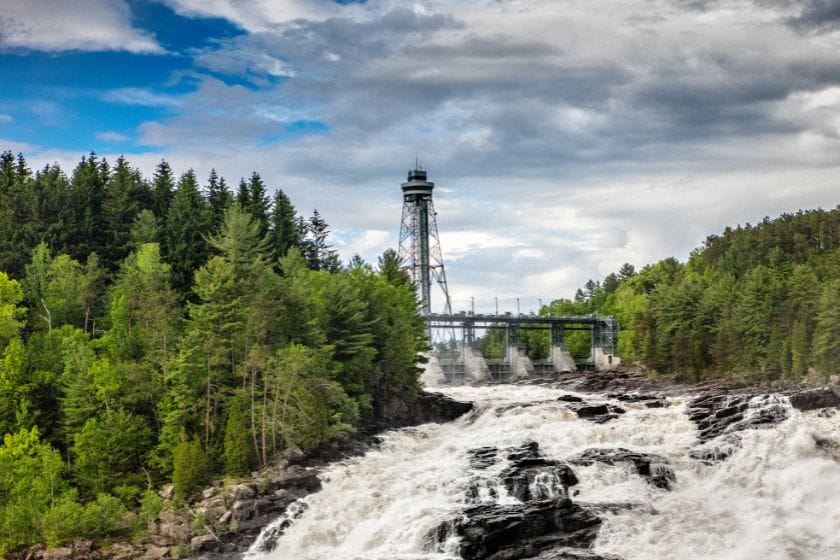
[462,351]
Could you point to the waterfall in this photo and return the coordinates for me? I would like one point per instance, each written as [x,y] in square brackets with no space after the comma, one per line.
[772,498]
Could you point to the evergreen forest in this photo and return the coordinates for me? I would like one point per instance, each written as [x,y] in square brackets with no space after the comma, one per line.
[757,301]
[163,329]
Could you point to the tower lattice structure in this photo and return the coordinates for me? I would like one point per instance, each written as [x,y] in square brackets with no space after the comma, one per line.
[420,242]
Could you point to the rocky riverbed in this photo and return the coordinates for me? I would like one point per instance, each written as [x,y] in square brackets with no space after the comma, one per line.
[507,501]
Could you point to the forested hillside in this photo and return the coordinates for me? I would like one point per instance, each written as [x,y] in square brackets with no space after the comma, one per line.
[760,300]
[155,330]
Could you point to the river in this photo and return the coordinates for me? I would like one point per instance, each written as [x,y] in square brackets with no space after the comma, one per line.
[775,498]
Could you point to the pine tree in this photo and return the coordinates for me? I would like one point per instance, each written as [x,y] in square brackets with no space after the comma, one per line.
[392,268]
[626,272]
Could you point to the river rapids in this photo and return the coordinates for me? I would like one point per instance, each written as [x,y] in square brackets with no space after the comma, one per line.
[776,497]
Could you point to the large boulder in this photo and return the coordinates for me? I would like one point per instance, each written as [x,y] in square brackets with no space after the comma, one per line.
[598,413]
[719,414]
[814,399]
[531,476]
[396,411]
[510,532]
[654,469]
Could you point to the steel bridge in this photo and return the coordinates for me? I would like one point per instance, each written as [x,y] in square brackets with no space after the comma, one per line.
[461,359]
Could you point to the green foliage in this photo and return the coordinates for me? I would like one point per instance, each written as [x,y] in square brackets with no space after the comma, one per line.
[190,468]
[756,300]
[150,310]
[110,451]
[237,444]
[11,313]
[30,483]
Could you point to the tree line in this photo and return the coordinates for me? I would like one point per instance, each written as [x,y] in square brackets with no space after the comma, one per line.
[761,301]
[152,331]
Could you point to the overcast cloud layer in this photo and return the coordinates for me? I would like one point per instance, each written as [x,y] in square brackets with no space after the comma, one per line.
[565,138]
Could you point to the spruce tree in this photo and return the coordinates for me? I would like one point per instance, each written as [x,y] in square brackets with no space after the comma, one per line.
[184,246]
[284,232]
[163,187]
[219,198]
[120,208]
[258,202]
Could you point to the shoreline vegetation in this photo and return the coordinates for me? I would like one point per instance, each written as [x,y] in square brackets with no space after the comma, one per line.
[155,331]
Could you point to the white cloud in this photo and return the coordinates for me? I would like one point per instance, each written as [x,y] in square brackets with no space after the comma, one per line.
[261,15]
[110,136]
[86,25]
[565,138]
[139,96]
[5,119]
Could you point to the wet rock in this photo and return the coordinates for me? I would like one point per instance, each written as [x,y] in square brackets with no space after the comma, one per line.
[297,478]
[814,399]
[209,492]
[569,398]
[531,476]
[396,411]
[598,413]
[830,447]
[716,450]
[653,468]
[512,532]
[718,414]
[272,532]
[483,457]
[573,554]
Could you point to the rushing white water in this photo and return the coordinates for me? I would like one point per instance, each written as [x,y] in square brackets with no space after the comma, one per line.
[774,498]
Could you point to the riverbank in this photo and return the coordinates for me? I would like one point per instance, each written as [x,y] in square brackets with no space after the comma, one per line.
[225,518]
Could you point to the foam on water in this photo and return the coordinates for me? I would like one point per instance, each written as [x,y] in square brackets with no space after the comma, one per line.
[773,499]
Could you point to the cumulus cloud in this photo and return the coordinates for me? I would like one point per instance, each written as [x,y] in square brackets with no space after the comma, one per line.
[85,25]
[565,138]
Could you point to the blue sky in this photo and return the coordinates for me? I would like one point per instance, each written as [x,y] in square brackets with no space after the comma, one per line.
[565,138]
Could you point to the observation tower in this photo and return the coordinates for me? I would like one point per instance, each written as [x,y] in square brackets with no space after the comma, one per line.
[419,240]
